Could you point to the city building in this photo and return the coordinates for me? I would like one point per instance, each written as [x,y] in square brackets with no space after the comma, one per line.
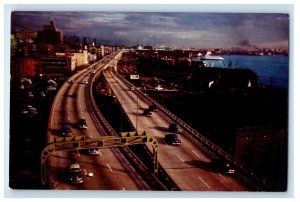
[57,63]
[81,59]
[49,35]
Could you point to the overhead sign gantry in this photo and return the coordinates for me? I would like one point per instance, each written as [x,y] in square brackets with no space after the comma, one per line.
[84,142]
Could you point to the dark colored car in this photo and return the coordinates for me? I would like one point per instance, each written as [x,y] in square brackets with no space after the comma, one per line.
[147,113]
[222,166]
[82,124]
[66,130]
[153,108]
[175,128]
[172,139]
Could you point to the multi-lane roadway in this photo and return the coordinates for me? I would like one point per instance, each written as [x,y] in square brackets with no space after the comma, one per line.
[110,169]
[188,165]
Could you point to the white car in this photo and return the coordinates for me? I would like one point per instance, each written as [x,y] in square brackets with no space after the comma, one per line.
[82,124]
[75,174]
[94,151]
[74,168]
[85,82]
[51,88]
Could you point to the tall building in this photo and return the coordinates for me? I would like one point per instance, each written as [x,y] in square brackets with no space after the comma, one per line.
[49,37]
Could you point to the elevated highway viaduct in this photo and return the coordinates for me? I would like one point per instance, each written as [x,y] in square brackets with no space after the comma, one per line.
[188,165]
[111,170]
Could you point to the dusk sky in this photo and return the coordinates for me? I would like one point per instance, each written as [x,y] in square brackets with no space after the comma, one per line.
[197,30]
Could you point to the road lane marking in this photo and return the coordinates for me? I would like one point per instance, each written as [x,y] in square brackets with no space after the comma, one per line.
[180,158]
[196,154]
[204,182]
[222,176]
[109,167]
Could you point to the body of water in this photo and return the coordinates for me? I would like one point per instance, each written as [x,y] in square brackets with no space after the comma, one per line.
[271,70]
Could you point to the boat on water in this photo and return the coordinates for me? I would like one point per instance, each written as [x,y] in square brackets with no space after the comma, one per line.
[209,61]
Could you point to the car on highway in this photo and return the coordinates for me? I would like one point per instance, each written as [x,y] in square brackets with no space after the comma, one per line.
[74,168]
[172,139]
[85,82]
[222,166]
[147,113]
[66,130]
[75,174]
[173,127]
[152,108]
[94,151]
[82,124]
[72,81]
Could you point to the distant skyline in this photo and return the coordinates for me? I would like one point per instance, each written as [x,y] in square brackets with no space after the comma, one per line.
[181,30]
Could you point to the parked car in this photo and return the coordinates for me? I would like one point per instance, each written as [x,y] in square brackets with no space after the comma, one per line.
[66,130]
[51,88]
[52,83]
[172,139]
[30,107]
[29,111]
[42,94]
[175,128]
[82,124]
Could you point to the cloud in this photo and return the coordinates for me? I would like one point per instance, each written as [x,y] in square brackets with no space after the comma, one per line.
[173,29]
